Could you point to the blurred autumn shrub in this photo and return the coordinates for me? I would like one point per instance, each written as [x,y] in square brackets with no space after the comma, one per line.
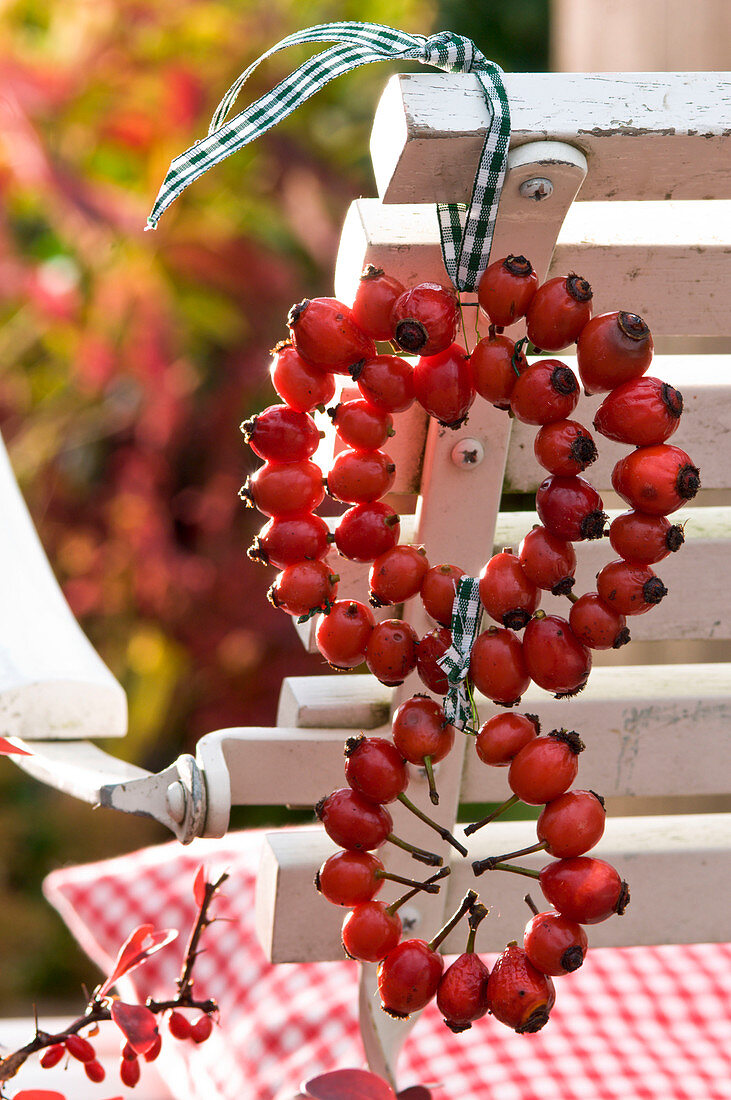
[127,360]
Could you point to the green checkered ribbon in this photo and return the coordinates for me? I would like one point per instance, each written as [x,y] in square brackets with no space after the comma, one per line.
[466,231]
[466,616]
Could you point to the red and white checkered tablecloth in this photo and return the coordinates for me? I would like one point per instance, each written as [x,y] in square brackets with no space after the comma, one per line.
[631,1024]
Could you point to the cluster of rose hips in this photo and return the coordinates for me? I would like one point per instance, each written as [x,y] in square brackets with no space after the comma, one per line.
[583,890]
[614,351]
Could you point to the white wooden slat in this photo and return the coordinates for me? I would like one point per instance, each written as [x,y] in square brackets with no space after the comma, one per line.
[667,261]
[704,430]
[645,135]
[76,767]
[697,606]
[641,718]
[653,854]
[52,682]
[662,281]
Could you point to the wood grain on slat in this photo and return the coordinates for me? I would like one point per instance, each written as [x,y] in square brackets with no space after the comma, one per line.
[677,280]
[641,720]
[654,855]
[622,122]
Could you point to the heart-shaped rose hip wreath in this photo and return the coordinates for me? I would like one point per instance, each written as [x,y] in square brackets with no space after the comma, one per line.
[614,352]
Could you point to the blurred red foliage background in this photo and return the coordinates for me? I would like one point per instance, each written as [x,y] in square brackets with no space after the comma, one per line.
[129,359]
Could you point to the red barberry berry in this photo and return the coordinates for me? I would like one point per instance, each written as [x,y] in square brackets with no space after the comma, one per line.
[80,1048]
[129,1072]
[201,1029]
[52,1055]
[179,1026]
[95,1071]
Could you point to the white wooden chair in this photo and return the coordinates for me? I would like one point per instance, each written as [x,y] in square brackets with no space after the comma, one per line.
[636,199]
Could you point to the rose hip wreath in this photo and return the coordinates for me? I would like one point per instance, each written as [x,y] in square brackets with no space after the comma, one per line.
[614,352]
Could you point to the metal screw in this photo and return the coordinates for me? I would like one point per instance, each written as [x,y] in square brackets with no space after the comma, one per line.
[410,918]
[537,188]
[176,801]
[468,453]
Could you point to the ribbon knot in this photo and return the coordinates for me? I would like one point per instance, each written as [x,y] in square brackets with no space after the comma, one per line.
[451,52]
[466,616]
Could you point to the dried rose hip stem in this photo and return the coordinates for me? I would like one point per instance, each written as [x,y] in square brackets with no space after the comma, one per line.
[490,862]
[429,885]
[466,905]
[429,769]
[444,833]
[469,829]
[478,912]
[531,905]
[430,858]
[481,865]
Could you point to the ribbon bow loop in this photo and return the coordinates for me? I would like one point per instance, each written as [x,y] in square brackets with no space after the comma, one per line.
[466,231]
[451,52]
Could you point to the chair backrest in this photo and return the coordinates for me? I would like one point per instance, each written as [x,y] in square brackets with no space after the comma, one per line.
[638,203]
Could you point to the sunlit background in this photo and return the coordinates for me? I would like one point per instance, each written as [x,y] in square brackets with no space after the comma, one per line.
[127,360]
